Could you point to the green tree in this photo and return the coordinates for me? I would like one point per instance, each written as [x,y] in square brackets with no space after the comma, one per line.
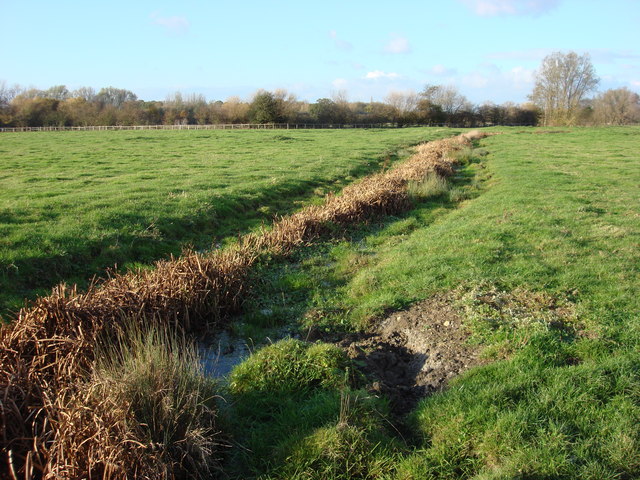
[325,110]
[265,108]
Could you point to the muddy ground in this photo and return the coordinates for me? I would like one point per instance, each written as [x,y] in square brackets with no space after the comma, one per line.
[409,355]
[413,353]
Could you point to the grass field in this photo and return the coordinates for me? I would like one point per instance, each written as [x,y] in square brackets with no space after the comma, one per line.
[538,243]
[75,203]
[534,241]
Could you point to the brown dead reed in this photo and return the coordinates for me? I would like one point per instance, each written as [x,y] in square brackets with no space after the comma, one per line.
[55,422]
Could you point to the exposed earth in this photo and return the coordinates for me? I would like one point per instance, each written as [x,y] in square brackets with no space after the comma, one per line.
[414,353]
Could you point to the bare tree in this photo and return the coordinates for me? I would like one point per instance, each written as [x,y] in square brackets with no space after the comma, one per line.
[86,93]
[234,110]
[562,82]
[116,97]
[7,94]
[403,102]
[57,92]
[289,105]
[447,98]
[343,107]
[617,107]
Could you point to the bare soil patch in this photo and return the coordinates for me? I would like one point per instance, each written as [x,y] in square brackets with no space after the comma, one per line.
[414,353]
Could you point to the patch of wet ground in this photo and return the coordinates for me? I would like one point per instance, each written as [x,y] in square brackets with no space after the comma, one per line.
[414,353]
[221,352]
[409,355]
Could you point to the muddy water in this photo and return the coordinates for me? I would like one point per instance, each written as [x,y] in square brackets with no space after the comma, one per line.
[220,353]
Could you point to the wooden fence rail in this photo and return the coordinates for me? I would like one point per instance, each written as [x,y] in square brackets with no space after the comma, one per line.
[233,126]
[227,126]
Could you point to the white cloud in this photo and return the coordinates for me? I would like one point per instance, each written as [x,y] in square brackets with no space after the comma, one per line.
[174,25]
[340,83]
[533,54]
[635,83]
[521,77]
[441,70]
[376,74]
[490,8]
[340,43]
[476,80]
[397,44]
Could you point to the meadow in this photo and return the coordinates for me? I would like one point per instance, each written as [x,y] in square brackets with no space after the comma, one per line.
[535,243]
[73,204]
[532,241]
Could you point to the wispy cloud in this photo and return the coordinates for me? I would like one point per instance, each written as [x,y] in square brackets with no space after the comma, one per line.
[339,42]
[376,74]
[398,44]
[533,54]
[599,55]
[604,55]
[491,8]
[340,83]
[174,25]
[441,70]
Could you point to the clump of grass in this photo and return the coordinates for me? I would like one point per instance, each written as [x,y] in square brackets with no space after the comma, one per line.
[289,366]
[507,319]
[339,452]
[458,194]
[464,155]
[468,154]
[297,416]
[432,185]
[170,403]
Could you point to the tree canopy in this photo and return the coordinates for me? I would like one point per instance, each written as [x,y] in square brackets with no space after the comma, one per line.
[562,82]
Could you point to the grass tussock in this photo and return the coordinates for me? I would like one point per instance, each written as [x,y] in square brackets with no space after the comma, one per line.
[47,419]
[288,366]
[432,185]
[298,416]
[171,404]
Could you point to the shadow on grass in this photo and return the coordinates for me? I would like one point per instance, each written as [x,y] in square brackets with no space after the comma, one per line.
[132,243]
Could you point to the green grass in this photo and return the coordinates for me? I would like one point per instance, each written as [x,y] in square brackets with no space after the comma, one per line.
[560,214]
[297,413]
[538,240]
[75,203]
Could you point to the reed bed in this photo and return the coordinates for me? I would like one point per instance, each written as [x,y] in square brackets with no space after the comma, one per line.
[57,421]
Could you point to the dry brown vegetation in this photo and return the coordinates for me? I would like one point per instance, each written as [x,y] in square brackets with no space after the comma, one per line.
[58,421]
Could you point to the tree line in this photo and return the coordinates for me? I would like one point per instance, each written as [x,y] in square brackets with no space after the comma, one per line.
[559,97]
[436,105]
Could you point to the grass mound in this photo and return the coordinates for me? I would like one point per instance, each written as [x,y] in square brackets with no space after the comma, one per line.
[170,403]
[290,366]
[296,411]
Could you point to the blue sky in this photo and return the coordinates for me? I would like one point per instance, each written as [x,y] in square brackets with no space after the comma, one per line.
[488,49]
